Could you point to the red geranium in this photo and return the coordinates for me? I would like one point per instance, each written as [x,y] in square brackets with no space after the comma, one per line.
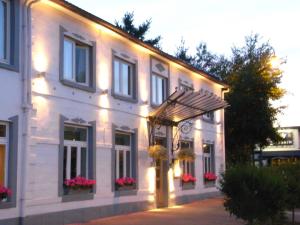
[79,182]
[210,177]
[125,181]
[186,178]
[4,192]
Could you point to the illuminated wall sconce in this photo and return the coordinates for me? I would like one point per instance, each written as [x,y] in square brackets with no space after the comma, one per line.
[40,74]
[104,92]
[144,102]
[177,169]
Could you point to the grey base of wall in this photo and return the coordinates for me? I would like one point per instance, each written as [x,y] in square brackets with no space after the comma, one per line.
[80,215]
[191,198]
[86,214]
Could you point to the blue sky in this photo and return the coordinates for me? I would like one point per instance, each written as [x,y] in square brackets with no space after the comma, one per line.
[221,24]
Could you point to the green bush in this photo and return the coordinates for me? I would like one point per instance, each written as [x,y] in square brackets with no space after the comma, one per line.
[256,195]
[291,175]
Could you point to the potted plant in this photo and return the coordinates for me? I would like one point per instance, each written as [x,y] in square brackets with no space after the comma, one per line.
[78,185]
[210,178]
[186,154]
[158,152]
[125,183]
[4,193]
[188,179]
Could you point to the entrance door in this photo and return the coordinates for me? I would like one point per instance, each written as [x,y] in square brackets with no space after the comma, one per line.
[162,185]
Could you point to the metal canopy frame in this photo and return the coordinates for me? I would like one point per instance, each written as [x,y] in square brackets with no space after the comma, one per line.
[185,105]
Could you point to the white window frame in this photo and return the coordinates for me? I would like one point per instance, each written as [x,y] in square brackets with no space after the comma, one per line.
[154,91]
[78,145]
[124,149]
[5,141]
[8,28]
[131,77]
[207,159]
[185,164]
[73,79]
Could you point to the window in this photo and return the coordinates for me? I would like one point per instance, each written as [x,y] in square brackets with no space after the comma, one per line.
[208,157]
[123,147]
[210,116]
[4,154]
[76,62]
[123,78]
[75,160]
[159,89]
[4,30]
[187,166]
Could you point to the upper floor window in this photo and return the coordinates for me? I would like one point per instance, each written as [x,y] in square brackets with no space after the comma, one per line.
[4,30]
[4,154]
[76,62]
[210,116]
[123,78]
[159,89]
[75,161]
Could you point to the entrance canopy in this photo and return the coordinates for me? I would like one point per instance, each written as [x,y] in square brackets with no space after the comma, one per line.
[184,105]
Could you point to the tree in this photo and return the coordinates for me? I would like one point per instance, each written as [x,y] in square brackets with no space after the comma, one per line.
[182,53]
[253,84]
[139,31]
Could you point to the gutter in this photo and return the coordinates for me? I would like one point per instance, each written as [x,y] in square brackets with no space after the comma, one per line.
[26,98]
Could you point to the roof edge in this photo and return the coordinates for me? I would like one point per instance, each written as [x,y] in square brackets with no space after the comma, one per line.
[119,31]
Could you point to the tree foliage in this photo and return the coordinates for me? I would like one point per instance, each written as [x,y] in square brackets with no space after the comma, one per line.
[140,31]
[253,85]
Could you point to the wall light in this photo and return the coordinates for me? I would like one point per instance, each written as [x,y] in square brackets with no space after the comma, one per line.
[144,102]
[104,92]
[177,169]
[40,74]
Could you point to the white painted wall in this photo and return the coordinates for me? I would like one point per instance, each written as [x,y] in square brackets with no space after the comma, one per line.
[50,98]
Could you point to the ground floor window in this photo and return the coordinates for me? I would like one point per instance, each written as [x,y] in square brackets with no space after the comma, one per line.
[123,147]
[75,152]
[208,162]
[4,140]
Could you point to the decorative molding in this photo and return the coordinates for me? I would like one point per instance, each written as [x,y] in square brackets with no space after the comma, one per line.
[160,67]
[78,36]
[78,120]
[125,128]
[125,56]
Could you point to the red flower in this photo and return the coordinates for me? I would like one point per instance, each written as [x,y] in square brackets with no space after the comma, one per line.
[4,192]
[79,182]
[125,181]
[186,178]
[210,177]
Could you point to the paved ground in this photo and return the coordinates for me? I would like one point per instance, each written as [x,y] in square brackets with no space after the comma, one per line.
[206,212]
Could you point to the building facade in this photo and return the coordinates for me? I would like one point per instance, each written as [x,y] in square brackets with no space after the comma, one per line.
[76,95]
[286,150]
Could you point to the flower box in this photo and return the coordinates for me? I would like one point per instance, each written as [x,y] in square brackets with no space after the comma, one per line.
[188,185]
[208,177]
[78,185]
[188,178]
[4,194]
[125,184]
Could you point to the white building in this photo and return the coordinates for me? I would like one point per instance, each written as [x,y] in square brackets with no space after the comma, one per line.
[76,96]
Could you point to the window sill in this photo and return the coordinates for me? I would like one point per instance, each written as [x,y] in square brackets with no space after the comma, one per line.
[124,98]
[77,195]
[7,205]
[8,66]
[188,186]
[125,191]
[209,184]
[78,86]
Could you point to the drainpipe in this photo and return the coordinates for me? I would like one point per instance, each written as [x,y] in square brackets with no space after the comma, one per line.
[223,91]
[26,98]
